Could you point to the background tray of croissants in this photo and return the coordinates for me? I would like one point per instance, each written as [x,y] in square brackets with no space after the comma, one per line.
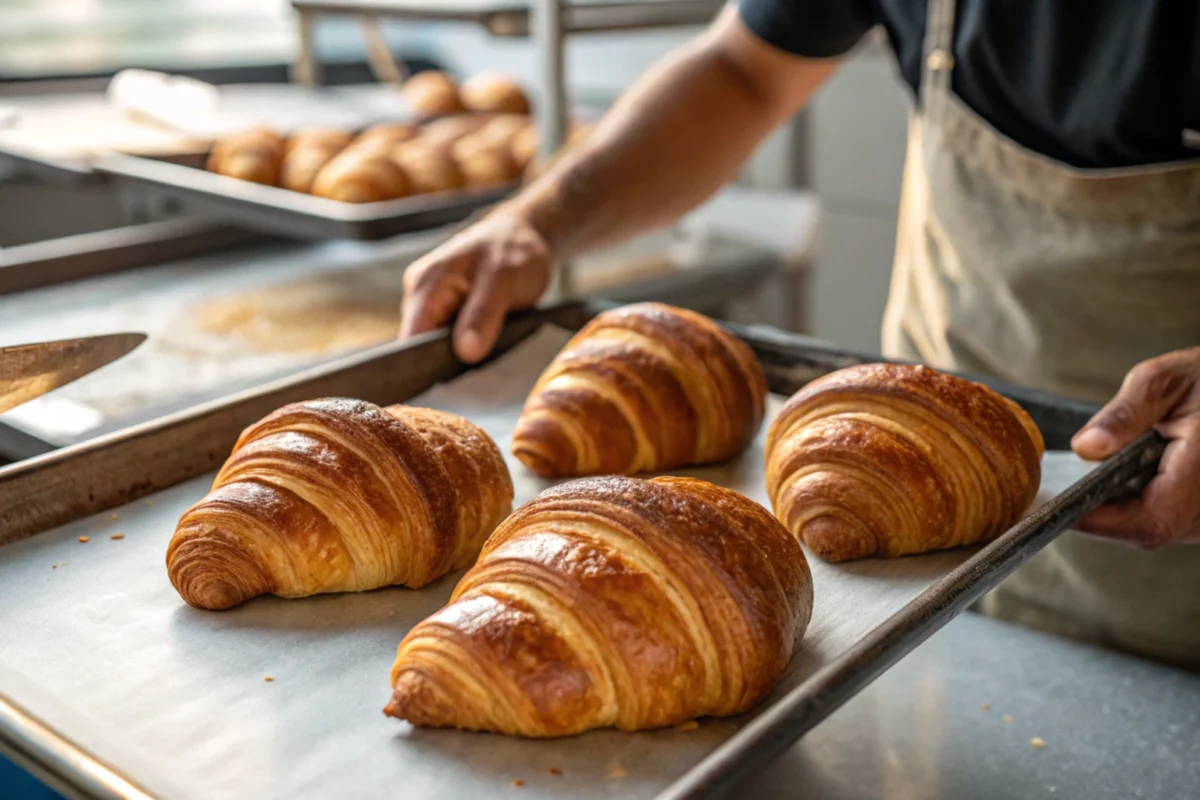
[465,146]
[492,564]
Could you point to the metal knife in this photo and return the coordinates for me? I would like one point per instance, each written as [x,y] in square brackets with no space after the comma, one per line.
[30,370]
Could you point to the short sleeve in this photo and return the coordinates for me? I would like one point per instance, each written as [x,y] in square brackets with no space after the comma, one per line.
[810,28]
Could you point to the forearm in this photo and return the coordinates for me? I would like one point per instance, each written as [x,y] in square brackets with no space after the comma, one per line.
[677,136]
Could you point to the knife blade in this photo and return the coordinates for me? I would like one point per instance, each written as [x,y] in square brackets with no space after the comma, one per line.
[30,370]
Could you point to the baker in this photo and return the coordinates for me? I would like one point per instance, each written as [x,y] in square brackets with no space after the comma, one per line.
[1049,236]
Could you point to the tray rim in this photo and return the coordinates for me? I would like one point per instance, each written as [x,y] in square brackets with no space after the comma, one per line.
[777,725]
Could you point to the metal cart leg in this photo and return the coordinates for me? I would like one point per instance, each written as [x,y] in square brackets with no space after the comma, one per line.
[304,71]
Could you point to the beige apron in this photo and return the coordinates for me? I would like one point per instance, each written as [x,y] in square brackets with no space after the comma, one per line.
[1012,265]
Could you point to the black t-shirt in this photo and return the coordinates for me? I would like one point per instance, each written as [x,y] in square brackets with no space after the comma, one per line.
[1092,83]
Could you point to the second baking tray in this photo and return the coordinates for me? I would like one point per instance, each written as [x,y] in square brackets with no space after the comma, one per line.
[184,186]
[113,687]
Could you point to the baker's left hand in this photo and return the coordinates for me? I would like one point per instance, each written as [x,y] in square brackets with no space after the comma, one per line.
[1162,393]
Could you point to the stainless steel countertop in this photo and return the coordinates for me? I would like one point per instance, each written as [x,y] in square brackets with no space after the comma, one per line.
[1113,726]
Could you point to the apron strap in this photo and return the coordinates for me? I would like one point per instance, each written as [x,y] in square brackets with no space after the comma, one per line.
[939,56]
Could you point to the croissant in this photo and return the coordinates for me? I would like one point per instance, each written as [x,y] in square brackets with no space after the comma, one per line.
[306,154]
[252,155]
[887,460]
[483,161]
[448,130]
[611,602]
[430,167]
[432,94]
[386,135]
[361,176]
[646,387]
[340,496]
[490,91]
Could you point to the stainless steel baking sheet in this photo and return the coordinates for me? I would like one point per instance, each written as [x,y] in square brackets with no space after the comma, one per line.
[96,643]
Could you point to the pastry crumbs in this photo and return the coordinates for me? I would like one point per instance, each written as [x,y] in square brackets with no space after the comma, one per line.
[84,539]
[1038,742]
[614,772]
[986,706]
[268,679]
[116,537]
[518,783]
[116,517]
[1006,717]
[554,771]
[690,725]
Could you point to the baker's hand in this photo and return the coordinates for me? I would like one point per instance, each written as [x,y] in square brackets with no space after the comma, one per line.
[498,265]
[1162,393]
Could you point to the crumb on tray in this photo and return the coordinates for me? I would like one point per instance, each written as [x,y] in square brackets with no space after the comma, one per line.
[116,537]
[614,772]
[690,725]
[1038,742]
[554,771]
[518,782]
[1006,717]
[116,517]
[986,706]
[84,539]
[268,679]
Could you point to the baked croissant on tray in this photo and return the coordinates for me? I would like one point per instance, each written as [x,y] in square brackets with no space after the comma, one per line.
[611,602]
[340,495]
[642,388]
[888,460]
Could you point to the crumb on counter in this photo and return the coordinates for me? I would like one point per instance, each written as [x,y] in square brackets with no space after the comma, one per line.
[116,517]
[1038,742]
[614,772]
[517,782]
[554,771]
[116,537]
[268,679]
[84,539]
[690,725]
[986,706]
[1006,717]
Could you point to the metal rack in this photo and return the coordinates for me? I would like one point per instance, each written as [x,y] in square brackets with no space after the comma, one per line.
[547,21]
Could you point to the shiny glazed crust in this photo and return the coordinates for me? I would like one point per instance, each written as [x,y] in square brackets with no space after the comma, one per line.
[888,460]
[646,387]
[611,602]
[340,496]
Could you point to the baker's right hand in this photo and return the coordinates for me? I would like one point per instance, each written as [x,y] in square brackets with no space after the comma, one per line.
[498,265]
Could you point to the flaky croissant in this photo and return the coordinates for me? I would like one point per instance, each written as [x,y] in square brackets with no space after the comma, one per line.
[888,459]
[362,176]
[254,155]
[645,387]
[340,496]
[432,93]
[611,602]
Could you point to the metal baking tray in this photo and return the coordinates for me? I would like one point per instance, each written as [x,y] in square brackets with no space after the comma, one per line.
[64,172]
[66,740]
[184,186]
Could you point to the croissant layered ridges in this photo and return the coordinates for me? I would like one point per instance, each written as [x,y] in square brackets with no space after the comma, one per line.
[646,387]
[340,495]
[889,459]
[611,602]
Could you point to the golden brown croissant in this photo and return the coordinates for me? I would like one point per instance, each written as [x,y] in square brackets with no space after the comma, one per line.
[887,459]
[484,162]
[306,154]
[490,91]
[611,602]
[340,496]
[253,155]
[386,135]
[430,167]
[642,388]
[432,94]
[361,176]
[448,130]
